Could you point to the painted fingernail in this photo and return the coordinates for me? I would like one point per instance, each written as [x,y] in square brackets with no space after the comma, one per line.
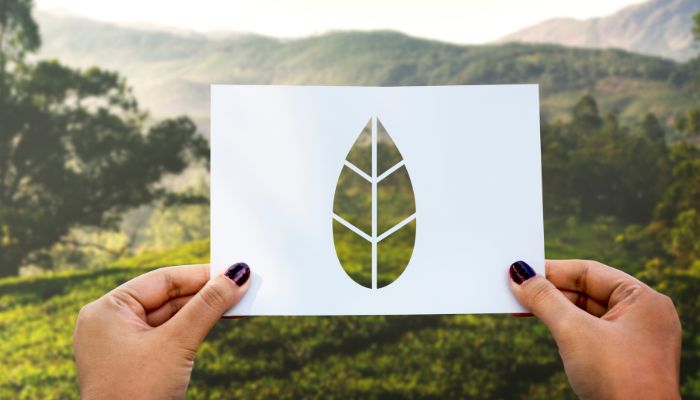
[520,272]
[239,273]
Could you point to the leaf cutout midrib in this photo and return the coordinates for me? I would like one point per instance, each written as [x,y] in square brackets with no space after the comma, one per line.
[374,237]
[380,237]
[378,179]
[395,227]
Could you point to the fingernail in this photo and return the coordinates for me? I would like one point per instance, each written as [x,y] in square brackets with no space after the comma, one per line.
[520,272]
[239,273]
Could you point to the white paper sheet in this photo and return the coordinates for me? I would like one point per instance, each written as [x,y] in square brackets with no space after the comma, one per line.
[473,155]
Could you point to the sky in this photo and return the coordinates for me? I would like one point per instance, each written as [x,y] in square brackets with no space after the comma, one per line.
[466,21]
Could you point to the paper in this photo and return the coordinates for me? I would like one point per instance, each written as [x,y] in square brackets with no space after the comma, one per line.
[376,200]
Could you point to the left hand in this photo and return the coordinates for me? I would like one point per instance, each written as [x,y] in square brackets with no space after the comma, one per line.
[140,339]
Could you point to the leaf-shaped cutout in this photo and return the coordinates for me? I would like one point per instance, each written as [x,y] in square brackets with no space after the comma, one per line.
[374,210]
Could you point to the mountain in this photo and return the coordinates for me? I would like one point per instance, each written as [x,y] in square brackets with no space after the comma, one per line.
[171,72]
[656,27]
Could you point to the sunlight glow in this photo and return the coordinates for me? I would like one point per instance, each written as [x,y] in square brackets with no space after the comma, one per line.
[466,21]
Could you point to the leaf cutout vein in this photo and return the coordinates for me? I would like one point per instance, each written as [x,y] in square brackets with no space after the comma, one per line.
[358,171]
[395,228]
[352,227]
[390,170]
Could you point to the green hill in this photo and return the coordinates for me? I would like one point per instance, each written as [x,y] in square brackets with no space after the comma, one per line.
[468,356]
[37,316]
[171,72]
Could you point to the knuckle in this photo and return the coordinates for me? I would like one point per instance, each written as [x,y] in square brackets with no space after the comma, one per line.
[173,288]
[214,296]
[539,293]
[88,317]
[174,307]
[667,301]
[86,313]
[581,280]
[597,264]
[588,263]
[634,288]
[630,291]
[668,310]
[666,305]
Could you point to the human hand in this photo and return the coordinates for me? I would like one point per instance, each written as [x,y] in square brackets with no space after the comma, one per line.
[617,337]
[139,341]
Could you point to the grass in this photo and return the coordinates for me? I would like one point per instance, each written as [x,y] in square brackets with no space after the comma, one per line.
[463,356]
[37,315]
[368,357]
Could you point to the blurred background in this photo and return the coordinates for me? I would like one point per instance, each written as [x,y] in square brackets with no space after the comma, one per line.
[104,129]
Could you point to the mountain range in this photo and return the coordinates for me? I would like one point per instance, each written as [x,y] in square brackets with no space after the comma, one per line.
[656,27]
[171,71]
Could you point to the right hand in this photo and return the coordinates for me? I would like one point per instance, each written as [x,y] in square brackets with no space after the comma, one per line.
[618,338]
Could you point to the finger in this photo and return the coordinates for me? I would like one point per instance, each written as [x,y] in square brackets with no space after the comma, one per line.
[153,289]
[166,311]
[194,321]
[582,301]
[595,280]
[543,299]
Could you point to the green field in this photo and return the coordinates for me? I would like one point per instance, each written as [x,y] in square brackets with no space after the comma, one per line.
[465,356]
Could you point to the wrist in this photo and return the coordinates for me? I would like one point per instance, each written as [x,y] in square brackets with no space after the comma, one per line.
[651,385]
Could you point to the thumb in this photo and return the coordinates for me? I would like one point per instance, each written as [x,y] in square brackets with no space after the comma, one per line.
[194,321]
[543,299]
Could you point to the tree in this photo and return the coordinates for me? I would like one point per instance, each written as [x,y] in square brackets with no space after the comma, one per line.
[676,223]
[594,166]
[585,114]
[688,123]
[75,149]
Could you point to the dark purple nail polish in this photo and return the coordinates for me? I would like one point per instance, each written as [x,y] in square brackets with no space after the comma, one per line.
[520,272]
[239,273]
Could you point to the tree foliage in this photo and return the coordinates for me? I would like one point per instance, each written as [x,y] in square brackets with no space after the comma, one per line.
[75,149]
[593,165]
[676,222]
[688,122]
[19,32]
